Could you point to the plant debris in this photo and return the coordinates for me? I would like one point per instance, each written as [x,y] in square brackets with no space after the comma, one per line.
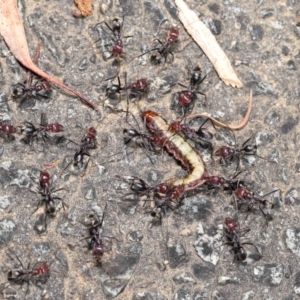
[85,8]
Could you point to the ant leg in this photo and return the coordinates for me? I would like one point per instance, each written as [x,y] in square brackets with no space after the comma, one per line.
[65,169]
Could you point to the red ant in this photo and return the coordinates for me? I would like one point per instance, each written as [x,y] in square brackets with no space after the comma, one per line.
[187,98]
[118,46]
[164,49]
[32,131]
[246,197]
[228,154]
[6,131]
[39,272]
[201,136]
[96,244]
[46,191]
[234,234]
[87,142]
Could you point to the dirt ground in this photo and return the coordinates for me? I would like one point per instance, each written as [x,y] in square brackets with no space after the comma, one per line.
[184,257]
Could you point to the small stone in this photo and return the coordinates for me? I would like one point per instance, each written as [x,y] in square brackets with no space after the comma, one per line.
[248,295]
[83,64]
[177,255]
[291,65]
[292,197]
[7,228]
[256,32]
[93,58]
[41,248]
[203,272]
[135,236]
[184,277]
[183,294]
[285,50]
[89,191]
[269,274]
[293,240]
[288,125]
[297,284]
[216,295]
[214,25]
[266,13]
[214,8]
[272,118]
[223,280]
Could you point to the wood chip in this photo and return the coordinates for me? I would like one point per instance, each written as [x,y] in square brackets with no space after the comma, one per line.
[12,30]
[208,43]
[51,165]
[85,7]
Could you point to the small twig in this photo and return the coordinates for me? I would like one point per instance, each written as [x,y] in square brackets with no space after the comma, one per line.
[232,127]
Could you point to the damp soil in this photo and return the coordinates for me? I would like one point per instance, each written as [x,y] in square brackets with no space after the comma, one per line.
[184,256]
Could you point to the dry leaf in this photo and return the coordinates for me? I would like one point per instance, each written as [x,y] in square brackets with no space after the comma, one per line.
[208,43]
[12,30]
[85,7]
[232,127]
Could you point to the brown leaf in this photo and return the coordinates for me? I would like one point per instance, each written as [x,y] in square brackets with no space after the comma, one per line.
[85,7]
[12,30]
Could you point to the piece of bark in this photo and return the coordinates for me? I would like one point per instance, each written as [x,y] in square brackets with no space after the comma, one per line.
[232,127]
[12,30]
[85,7]
[208,43]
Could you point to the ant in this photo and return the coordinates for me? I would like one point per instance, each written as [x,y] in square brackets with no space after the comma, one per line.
[186,99]
[244,196]
[46,190]
[7,130]
[164,49]
[228,154]
[87,142]
[39,272]
[96,244]
[233,234]
[202,136]
[139,87]
[32,131]
[117,49]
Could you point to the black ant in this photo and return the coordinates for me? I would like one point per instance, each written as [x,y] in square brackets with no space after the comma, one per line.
[234,234]
[164,49]
[248,198]
[96,244]
[33,132]
[88,142]
[186,99]
[228,154]
[39,272]
[46,190]
[202,136]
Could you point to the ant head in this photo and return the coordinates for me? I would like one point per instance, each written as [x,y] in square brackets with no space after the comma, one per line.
[242,256]
[117,26]
[129,134]
[250,149]
[93,220]
[13,275]
[138,185]
[44,177]
[231,224]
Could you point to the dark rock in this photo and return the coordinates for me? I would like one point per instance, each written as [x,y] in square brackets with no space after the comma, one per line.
[203,272]
[272,118]
[177,255]
[214,8]
[264,138]
[154,13]
[215,26]
[171,8]
[7,228]
[200,295]
[291,65]
[269,274]
[248,295]
[83,64]
[118,272]
[216,295]
[288,125]
[285,50]
[184,277]
[183,294]
[256,32]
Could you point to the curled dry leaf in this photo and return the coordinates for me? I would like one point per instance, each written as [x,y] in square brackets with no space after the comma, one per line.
[51,165]
[232,127]
[208,43]
[12,30]
[85,7]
